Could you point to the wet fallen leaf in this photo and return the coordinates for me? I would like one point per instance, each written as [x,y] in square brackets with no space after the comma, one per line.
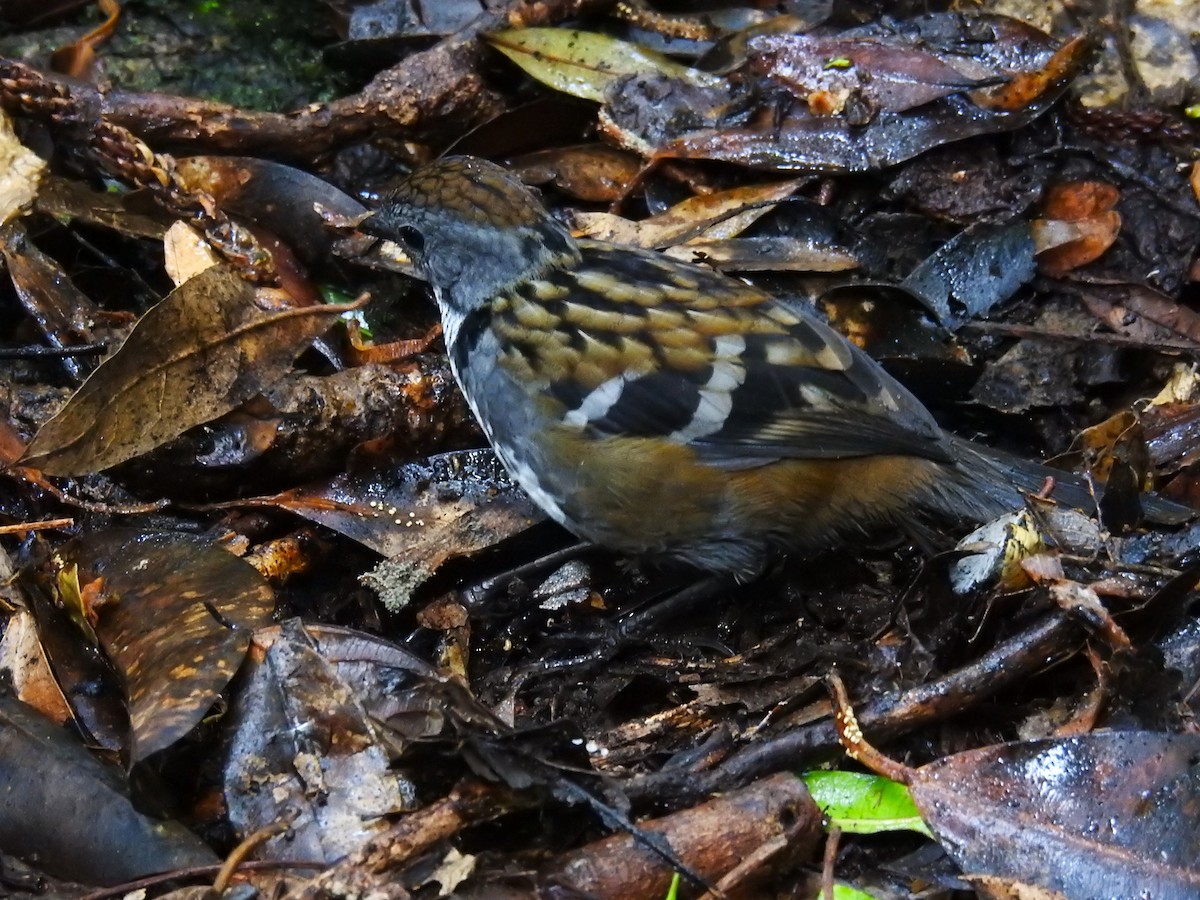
[73,201]
[596,173]
[1140,311]
[585,64]
[419,514]
[73,814]
[178,619]
[305,750]
[199,353]
[63,313]
[1103,815]
[895,72]
[978,268]
[23,659]
[653,115]
[721,214]
[77,58]
[279,198]
[765,253]
[1173,436]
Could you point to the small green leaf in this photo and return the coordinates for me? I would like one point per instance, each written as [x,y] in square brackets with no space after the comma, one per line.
[673,890]
[582,63]
[841,62]
[845,892]
[864,804]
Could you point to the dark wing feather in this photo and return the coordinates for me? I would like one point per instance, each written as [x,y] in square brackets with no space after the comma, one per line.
[853,408]
[765,381]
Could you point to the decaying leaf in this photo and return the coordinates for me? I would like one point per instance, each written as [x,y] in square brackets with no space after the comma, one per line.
[73,814]
[876,72]
[655,115]
[20,173]
[199,353]
[1103,815]
[179,615]
[305,749]
[420,514]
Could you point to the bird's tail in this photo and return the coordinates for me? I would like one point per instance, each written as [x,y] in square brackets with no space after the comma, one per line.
[993,482]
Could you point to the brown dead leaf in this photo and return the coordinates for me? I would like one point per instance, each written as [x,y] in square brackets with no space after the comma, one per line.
[419,514]
[77,58]
[1026,87]
[199,353]
[716,216]
[176,622]
[20,173]
[879,72]
[1141,312]
[1078,224]
[63,313]
[596,173]
[1102,815]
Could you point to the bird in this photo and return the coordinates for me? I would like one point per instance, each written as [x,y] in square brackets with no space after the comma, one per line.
[661,408]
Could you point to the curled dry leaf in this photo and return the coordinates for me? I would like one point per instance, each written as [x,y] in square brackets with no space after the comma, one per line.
[199,353]
[1078,224]
[722,214]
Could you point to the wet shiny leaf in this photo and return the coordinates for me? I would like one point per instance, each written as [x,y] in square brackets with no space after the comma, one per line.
[63,313]
[977,269]
[654,115]
[61,806]
[894,72]
[1103,815]
[1078,224]
[278,197]
[584,64]
[419,514]
[177,620]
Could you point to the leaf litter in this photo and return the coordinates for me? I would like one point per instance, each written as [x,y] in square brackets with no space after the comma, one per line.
[1059,258]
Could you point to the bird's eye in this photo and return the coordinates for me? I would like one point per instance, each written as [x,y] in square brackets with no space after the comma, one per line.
[411,238]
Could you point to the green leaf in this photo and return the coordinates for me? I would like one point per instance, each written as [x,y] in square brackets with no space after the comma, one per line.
[582,63]
[845,892]
[864,804]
